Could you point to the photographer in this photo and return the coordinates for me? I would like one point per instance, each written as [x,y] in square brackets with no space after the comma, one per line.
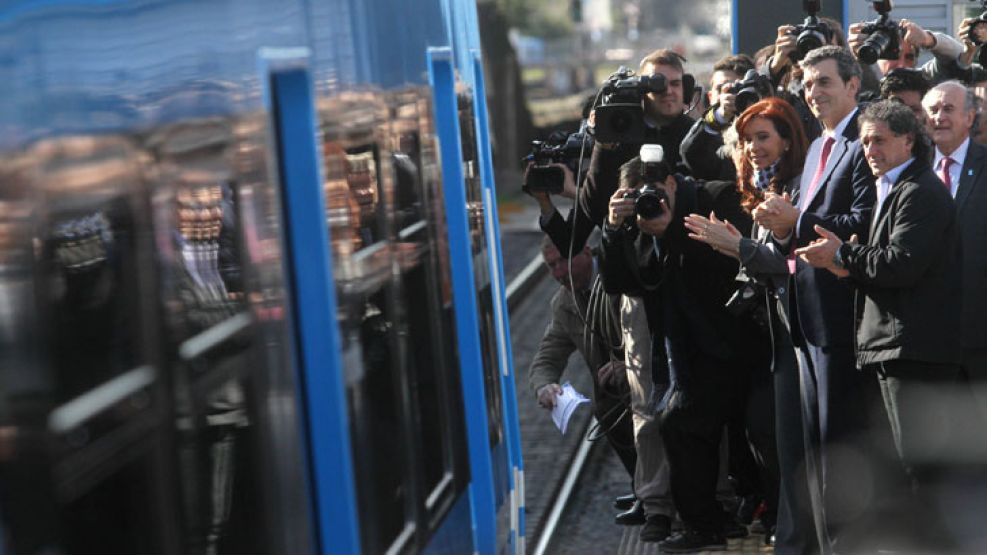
[684,286]
[665,124]
[567,333]
[908,38]
[703,151]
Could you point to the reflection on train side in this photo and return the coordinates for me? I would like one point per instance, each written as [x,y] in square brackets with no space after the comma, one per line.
[384,212]
[146,381]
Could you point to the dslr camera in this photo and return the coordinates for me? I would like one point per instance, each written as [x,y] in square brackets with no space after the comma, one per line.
[619,115]
[648,197]
[884,42]
[752,88]
[559,148]
[978,33]
[812,33]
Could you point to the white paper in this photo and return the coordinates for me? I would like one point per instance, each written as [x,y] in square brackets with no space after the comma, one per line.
[566,404]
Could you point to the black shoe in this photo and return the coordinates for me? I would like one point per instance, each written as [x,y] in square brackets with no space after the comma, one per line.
[632,516]
[733,529]
[656,529]
[624,502]
[690,541]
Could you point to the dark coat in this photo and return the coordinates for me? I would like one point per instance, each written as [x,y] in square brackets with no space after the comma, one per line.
[602,179]
[842,203]
[971,214]
[907,275]
[684,283]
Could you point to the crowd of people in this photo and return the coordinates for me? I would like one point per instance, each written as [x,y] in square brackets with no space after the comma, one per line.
[794,338]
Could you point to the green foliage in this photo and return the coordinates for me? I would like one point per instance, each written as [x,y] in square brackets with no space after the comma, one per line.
[539,18]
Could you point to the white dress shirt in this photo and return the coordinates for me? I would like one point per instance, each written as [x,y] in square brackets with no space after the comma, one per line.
[884,184]
[956,168]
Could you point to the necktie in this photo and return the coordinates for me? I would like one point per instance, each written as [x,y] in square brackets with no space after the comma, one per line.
[813,185]
[944,176]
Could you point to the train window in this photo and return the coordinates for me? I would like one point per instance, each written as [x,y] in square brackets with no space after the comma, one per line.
[216,232]
[393,287]
[83,426]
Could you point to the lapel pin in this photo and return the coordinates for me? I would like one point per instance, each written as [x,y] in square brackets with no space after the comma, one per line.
[969,172]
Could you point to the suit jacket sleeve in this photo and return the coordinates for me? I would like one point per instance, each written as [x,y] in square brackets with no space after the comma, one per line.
[702,154]
[553,351]
[921,219]
[857,220]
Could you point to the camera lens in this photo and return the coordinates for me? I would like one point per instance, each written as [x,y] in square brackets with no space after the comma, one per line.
[872,48]
[808,40]
[745,98]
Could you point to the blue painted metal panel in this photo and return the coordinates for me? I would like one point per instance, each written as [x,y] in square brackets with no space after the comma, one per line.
[450,538]
[512,425]
[314,300]
[443,79]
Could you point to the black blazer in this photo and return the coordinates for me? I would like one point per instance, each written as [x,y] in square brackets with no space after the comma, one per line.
[971,214]
[684,283]
[842,203]
[907,275]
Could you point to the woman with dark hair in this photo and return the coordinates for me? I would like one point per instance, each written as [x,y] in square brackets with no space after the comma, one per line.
[769,157]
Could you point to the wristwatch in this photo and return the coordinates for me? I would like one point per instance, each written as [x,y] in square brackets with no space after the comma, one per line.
[838,257]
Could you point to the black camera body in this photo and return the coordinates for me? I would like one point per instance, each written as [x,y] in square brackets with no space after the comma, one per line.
[884,40]
[978,32]
[812,33]
[619,116]
[648,197]
[560,148]
[752,88]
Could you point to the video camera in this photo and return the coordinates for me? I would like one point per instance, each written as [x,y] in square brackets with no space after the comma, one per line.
[752,88]
[812,33]
[648,197]
[559,148]
[619,115]
[884,42]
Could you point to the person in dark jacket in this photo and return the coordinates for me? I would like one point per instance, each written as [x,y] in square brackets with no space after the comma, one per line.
[907,276]
[771,153]
[710,351]
[666,125]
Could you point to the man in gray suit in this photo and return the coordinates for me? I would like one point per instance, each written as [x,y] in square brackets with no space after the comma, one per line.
[960,164]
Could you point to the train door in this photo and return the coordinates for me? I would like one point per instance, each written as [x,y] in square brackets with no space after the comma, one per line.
[148,390]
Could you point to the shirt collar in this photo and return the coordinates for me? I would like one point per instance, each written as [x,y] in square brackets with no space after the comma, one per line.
[841,127]
[958,155]
[892,176]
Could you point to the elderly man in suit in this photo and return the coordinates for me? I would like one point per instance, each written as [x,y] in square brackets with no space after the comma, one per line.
[836,192]
[960,164]
[908,298]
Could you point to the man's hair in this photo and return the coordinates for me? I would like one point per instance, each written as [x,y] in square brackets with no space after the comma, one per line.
[739,64]
[846,64]
[901,121]
[664,57]
[836,28]
[969,97]
[632,173]
[903,79]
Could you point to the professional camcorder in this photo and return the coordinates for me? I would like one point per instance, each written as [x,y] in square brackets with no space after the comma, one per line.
[752,88]
[884,42]
[648,197]
[619,116]
[812,33]
[560,148]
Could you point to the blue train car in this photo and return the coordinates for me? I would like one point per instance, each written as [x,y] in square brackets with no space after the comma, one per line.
[252,298]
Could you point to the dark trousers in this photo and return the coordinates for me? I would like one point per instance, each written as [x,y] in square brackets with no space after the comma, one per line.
[938,436]
[795,532]
[975,372]
[850,454]
[759,438]
[692,428]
